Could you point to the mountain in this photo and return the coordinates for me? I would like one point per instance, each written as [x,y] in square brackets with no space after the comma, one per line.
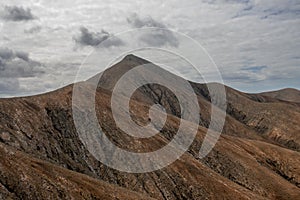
[288,94]
[42,155]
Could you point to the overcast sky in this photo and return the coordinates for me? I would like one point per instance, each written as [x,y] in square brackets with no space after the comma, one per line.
[255,43]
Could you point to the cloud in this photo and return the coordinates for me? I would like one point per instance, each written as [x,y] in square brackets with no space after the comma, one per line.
[157,38]
[94,39]
[138,22]
[9,86]
[15,13]
[22,55]
[254,69]
[6,54]
[226,1]
[33,30]
[17,64]
[244,76]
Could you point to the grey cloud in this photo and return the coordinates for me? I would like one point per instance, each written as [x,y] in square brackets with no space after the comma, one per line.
[17,64]
[5,38]
[33,30]
[248,74]
[159,37]
[226,1]
[22,55]
[280,10]
[244,77]
[138,22]
[9,86]
[94,39]
[15,13]
[6,54]
[283,13]
[255,69]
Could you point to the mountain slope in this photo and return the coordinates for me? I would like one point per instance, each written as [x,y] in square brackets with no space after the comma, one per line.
[25,177]
[289,94]
[248,162]
[275,121]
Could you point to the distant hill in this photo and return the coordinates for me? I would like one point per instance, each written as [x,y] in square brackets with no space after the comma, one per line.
[288,94]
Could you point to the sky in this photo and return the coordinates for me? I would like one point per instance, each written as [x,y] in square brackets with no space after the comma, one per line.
[254,43]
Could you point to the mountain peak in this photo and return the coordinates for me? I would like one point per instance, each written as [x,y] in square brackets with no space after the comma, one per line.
[134,58]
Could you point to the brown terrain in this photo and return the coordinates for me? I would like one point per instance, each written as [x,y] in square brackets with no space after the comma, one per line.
[256,157]
[288,94]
